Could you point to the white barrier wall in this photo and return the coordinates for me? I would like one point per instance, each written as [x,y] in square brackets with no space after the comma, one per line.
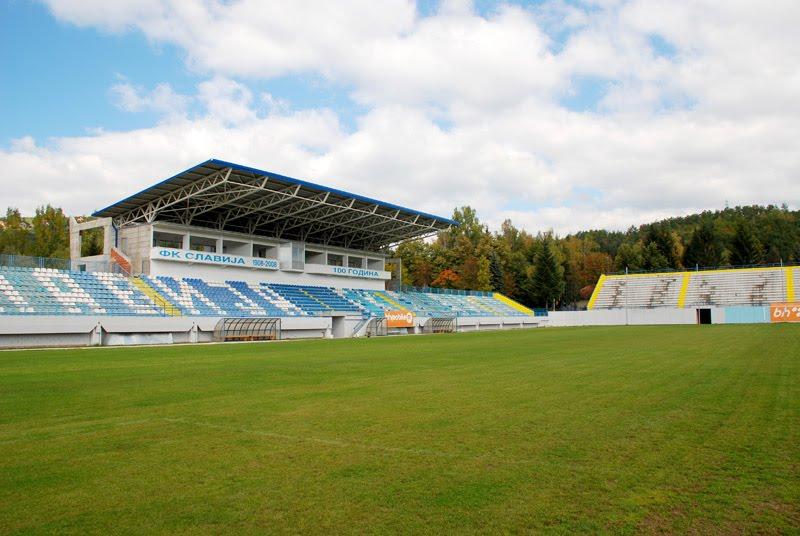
[63,331]
[68,331]
[475,323]
[621,317]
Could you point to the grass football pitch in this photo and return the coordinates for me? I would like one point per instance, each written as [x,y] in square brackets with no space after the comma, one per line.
[620,430]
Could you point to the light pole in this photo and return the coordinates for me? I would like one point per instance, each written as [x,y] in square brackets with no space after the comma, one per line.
[626,295]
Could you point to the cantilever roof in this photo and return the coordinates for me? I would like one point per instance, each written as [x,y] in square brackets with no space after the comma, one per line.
[231,197]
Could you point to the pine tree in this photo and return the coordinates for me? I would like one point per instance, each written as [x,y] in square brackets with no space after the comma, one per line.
[496,272]
[571,286]
[745,247]
[665,242]
[704,248]
[653,258]
[484,276]
[630,257]
[547,281]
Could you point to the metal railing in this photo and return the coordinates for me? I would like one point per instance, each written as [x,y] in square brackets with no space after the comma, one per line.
[451,291]
[30,262]
[705,268]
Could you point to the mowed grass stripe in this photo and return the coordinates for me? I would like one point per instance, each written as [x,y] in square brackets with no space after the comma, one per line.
[619,429]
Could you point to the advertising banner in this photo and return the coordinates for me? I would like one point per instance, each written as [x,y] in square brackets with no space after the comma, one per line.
[224,259]
[784,312]
[347,272]
[399,319]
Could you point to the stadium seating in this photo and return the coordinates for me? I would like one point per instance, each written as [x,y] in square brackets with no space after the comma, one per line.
[748,287]
[38,291]
[313,299]
[48,291]
[736,287]
[657,290]
[196,297]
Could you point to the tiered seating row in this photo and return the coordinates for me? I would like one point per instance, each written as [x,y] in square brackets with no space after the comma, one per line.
[714,287]
[196,297]
[640,291]
[45,291]
[744,287]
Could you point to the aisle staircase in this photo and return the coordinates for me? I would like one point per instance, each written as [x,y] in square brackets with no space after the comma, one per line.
[162,303]
[385,297]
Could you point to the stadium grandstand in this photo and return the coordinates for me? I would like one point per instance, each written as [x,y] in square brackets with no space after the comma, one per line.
[748,287]
[221,240]
[731,296]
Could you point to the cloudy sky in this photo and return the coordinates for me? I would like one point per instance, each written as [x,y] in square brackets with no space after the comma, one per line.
[556,114]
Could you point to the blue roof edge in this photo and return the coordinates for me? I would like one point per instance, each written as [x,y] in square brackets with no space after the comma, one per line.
[285,178]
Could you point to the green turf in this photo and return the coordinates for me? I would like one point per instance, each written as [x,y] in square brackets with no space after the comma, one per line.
[638,429]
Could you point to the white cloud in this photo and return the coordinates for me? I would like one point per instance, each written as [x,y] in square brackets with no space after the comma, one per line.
[161,99]
[461,108]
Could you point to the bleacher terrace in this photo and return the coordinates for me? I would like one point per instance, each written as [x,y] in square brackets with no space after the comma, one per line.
[731,287]
[46,291]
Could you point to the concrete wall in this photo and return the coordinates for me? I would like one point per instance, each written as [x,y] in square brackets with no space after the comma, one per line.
[251,275]
[621,317]
[466,323]
[743,315]
[136,242]
[65,331]
[660,315]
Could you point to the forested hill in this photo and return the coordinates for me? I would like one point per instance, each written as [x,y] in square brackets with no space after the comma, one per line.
[776,228]
[536,269]
[546,269]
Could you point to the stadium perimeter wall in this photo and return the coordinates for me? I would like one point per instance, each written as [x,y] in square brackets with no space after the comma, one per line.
[657,316]
[77,331]
[69,331]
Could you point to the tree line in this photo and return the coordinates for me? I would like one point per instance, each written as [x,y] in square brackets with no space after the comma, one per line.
[45,234]
[541,270]
[545,270]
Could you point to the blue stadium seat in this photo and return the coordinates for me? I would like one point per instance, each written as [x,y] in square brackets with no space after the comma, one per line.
[46,291]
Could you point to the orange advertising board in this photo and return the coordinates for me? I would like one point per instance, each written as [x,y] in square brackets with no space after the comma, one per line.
[784,312]
[399,319]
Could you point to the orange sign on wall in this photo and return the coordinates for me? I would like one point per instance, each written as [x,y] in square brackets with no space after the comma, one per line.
[784,312]
[399,319]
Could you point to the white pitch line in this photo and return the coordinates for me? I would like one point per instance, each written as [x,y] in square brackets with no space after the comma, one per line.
[90,427]
[351,444]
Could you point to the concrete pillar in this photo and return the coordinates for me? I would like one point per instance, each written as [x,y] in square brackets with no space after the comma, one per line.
[186,240]
[108,238]
[219,245]
[74,240]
